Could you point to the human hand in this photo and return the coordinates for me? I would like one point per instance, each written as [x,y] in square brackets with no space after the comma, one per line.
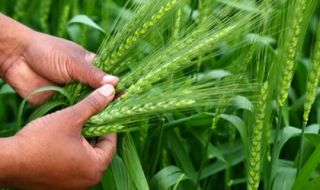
[34,60]
[48,61]
[51,153]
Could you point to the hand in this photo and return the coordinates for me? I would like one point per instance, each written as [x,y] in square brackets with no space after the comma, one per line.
[50,153]
[32,60]
[48,61]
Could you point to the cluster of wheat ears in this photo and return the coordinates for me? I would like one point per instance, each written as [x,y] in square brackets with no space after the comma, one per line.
[153,86]
[164,79]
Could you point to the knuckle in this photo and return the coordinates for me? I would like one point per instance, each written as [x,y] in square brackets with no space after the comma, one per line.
[89,57]
[94,75]
[70,68]
[91,71]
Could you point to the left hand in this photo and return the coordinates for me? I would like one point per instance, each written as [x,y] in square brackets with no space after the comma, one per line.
[47,61]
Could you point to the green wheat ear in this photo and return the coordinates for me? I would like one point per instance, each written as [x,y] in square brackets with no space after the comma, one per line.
[255,157]
[296,31]
[131,111]
[127,111]
[131,40]
[146,18]
[177,25]
[313,80]
[101,130]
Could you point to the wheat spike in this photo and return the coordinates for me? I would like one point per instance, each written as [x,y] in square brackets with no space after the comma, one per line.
[313,80]
[257,140]
[291,51]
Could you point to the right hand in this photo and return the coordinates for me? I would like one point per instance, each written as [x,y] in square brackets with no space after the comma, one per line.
[51,153]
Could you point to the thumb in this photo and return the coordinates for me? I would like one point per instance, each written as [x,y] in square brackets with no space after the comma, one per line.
[92,104]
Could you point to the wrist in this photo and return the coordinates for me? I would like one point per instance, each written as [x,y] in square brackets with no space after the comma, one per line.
[9,165]
[14,38]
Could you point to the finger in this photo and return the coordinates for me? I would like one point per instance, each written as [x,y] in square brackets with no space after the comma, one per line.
[24,80]
[92,104]
[106,148]
[85,72]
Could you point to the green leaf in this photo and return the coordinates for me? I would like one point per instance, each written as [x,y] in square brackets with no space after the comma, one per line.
[83,19]
[107,181]
[203,118]
[132,163]
[166,178]
[313,138]
[312,185]
[120,174]
[45,108]
[239,124]
[213,152]
[286,134]
[307,169]
[290,132]
[180,154]
[233,154]
[285,178]
[6,89]
[242,102]
[264,40]
[39,90]
[215,74]
[8,132]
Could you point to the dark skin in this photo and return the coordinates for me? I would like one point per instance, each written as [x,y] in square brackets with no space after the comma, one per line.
[50,152]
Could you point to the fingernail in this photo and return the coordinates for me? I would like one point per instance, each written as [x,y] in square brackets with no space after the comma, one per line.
[106,90]
[110,79]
